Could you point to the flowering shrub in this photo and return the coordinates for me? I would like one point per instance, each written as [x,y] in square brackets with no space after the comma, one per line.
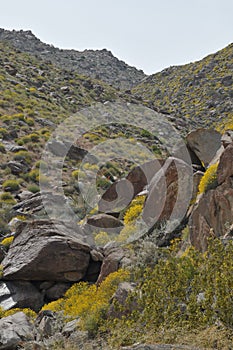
[191,292]
[134,210]
[28,312]
[209,179]
[7,241]
[89,301]
[102,238]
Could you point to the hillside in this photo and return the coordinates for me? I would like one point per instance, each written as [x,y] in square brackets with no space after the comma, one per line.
[199,94]
[97,252]
[97,64]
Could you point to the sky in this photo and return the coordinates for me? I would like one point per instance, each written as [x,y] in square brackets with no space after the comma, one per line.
[148,34]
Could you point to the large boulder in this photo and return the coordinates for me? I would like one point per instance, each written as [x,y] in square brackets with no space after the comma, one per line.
[204,143]
[169,193]
[20,294]
[14,330]
[45,251]
[103,222]
[225,167]
[212,216]
[55,291]
[213,213]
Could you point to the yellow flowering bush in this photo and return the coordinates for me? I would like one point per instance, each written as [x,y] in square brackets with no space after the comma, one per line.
[209,179]
[182,293]
[89,302]
[7,241]
[102,238]
[126,233]
[28,312]
[134,210]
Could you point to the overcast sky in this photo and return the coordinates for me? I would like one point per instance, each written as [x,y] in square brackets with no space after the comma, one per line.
[148,34]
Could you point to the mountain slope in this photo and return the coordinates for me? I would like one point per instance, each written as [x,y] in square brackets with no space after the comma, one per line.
[201,93]
[100,64]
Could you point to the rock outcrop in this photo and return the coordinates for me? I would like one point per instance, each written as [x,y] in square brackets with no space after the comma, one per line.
[43,251]
[204,143]
[14,330]
[113,258]
[20,294]
[168,193]
[98,64]
[102,222]
[212,215]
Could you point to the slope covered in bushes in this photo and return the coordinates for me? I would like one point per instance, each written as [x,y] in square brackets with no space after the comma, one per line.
[198,94]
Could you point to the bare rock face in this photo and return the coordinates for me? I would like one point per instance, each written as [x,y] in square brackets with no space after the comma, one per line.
[227,138]
[168,191]
[225,167]
[13,330]
[20,294]
[213,214]
[43,251]
[113,255]
[204,143]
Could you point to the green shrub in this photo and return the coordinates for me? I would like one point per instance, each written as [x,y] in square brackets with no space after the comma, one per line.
[2,148]
[102,238]
[41,164]
[192,291]
[23,155]
[209,179]
[33,188]
[5,196]
[30,121]
[3,132]
[34,175]
[10,185]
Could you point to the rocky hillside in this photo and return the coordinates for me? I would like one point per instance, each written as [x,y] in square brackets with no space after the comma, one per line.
[97,64]
[198,94]
[129,271]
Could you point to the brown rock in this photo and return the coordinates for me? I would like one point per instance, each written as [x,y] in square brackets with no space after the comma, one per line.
[212,216]
[227,138]
[46,252]
[57,290]
[225,167]
[112,260]
[169,193]
[104,221]
[204,143]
